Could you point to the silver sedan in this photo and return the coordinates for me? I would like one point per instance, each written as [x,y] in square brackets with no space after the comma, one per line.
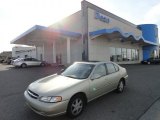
[25,62]
[70,91]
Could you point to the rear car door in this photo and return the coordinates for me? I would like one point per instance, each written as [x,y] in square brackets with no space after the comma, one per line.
[113,76]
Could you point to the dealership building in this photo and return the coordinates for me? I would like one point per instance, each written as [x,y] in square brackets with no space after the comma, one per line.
[92,34]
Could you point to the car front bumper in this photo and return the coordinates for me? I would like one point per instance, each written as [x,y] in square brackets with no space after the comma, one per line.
[46,109]
[16,64]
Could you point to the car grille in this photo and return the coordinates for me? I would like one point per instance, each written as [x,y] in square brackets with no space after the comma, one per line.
[32,94]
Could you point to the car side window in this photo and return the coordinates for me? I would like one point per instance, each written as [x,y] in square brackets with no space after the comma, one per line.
[116,67]
[110,67]
[33,59]
[99,71]
[27,59]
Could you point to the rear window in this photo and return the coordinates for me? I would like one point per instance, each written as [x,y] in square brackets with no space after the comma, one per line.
[116,67]
[110,68]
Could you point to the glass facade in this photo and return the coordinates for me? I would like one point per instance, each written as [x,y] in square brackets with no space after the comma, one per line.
[133,54]
[118,54]
[123,54]
[137,54]
[129,57]
[112,53]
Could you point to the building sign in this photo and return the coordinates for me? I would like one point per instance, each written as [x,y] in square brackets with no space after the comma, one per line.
[101,17]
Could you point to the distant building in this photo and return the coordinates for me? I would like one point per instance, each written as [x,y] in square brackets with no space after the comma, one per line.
[24,52]
[92,34]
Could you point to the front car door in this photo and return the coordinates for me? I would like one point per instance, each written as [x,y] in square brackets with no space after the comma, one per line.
[35,62]
[97,82]
[28,61]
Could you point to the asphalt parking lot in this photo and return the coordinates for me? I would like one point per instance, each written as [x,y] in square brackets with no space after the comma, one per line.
[141,92]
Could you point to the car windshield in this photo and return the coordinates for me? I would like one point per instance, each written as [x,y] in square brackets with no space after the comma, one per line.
[78,70]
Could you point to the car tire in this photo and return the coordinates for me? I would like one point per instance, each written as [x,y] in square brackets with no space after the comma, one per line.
[76,106]
[120,86]
[42,64]
[24,65]
[148,63]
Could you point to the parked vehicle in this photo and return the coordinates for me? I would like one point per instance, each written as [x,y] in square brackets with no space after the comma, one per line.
[1,60]
[25,62]
[151,61]
[70,91]
[10,60]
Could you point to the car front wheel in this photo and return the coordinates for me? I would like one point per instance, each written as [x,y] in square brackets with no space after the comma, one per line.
[75,106]
[120,87]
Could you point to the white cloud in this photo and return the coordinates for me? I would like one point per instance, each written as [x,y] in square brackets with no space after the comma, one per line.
[153,15]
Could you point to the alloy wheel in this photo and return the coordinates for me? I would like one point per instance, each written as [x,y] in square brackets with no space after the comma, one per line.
[121,86]
[77,106]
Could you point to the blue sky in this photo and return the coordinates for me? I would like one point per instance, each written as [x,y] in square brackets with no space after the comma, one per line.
[16,16]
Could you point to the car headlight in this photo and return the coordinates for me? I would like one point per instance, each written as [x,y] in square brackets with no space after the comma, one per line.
[51,99]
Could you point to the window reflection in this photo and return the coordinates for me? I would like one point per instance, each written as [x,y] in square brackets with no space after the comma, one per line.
[118,54]
[129,54]
[112,54]
[123,54]
[133,54]
[137,55]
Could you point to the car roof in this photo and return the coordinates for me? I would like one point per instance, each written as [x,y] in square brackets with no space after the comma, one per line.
[93,62]
[20,58]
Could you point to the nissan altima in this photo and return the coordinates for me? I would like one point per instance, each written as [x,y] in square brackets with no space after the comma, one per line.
[70,91]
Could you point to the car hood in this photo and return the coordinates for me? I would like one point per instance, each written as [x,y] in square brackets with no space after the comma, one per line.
[52,85]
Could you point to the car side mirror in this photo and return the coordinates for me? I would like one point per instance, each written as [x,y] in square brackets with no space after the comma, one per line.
[95,76]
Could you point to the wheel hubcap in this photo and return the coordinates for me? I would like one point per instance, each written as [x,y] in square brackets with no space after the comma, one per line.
[77,106]
[121,86]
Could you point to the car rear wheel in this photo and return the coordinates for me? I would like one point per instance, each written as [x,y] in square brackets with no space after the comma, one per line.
[148,63]
[120,86]
[42,64]
[75,106]
[23,65]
